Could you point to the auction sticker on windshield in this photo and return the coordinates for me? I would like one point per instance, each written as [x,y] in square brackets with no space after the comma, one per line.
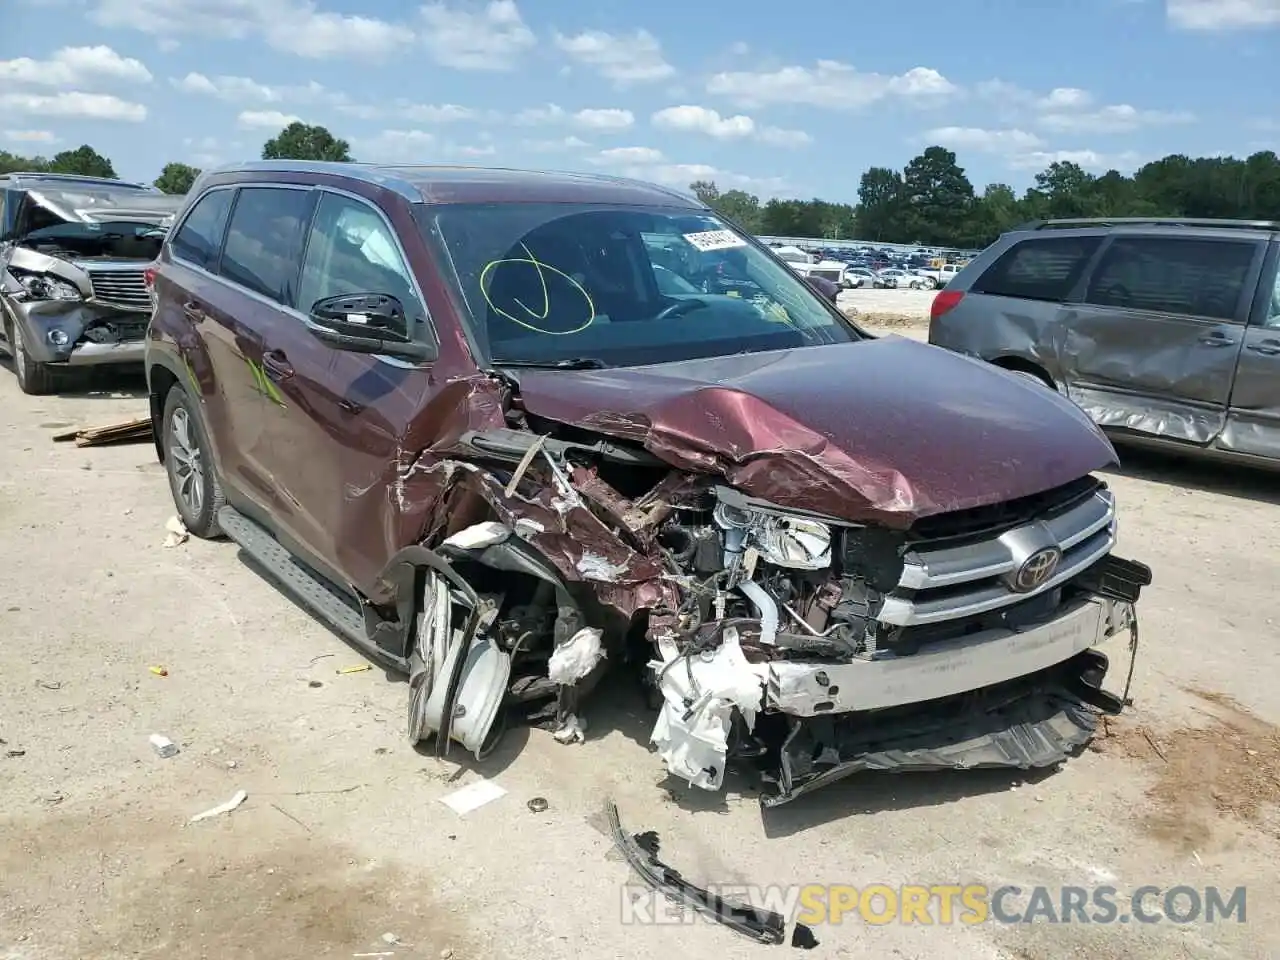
[715,240]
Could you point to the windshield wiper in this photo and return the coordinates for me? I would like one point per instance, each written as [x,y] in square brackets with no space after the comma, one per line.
[571,363]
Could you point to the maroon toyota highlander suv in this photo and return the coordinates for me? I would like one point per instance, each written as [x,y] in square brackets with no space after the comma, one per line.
[493,428]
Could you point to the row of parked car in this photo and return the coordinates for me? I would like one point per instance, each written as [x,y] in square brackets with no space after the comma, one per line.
[848,272]
[503,431]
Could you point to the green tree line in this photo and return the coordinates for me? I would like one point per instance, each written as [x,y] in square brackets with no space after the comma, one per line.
[930,201]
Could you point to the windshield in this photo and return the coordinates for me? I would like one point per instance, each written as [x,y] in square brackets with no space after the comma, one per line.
[622,286]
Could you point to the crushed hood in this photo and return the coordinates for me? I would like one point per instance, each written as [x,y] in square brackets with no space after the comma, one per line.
[886,430]
[95,204]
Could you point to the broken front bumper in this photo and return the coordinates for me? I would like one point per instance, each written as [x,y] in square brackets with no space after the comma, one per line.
[1021,700]
[81,334]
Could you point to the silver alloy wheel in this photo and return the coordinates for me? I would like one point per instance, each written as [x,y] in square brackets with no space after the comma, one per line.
[186,464]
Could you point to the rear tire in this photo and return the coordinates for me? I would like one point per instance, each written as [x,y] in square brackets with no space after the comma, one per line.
[34,378]
[193,479]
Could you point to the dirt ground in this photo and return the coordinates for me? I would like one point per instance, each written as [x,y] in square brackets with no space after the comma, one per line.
[343,849]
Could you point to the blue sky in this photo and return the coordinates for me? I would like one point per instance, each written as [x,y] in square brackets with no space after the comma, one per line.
[750,93]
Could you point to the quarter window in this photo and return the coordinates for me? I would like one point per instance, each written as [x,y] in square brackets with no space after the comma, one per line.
[264,239]
[1044,268]
[1199,278]
[352,250]
[200,236]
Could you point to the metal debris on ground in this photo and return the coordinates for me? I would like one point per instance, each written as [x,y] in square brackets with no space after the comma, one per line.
[130,431]
[641,853]
[538,805]
[163,746]
[472,796]
[221,808]
[177,532]
[360,669]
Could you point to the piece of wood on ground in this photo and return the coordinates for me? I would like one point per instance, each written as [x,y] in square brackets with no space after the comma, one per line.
[129,431]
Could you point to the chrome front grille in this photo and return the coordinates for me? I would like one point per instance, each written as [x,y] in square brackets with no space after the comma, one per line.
[128,288]
[943,582]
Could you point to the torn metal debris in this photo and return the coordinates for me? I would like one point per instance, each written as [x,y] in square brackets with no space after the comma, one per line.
[641,853]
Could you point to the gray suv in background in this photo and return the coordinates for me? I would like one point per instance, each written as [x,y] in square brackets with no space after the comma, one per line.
[1166,332]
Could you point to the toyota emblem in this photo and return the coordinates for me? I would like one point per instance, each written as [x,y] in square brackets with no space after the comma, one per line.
[1037,569]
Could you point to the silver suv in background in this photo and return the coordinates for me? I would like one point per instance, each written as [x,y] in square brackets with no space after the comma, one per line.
[74,252]
[1165,331]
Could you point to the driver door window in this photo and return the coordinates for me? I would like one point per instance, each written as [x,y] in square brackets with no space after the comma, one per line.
[352,250]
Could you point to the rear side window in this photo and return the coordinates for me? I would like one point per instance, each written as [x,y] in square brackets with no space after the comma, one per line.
[200,237]
[1043,268]
[1199,278]
[264,240]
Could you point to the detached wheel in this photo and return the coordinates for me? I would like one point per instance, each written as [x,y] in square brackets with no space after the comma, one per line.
[34,378]
[197,493]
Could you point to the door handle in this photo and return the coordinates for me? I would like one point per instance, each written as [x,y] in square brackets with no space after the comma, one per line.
[350,406]
[1216,339]
[1268,348]
[276,365]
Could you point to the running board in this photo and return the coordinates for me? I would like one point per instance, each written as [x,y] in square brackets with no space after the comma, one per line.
[336,608]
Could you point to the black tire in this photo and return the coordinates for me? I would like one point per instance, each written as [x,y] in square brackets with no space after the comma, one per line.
[34,378]
[193,478]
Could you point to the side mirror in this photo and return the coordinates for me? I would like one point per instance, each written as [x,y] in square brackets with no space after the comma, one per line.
[367,323]
[374,315]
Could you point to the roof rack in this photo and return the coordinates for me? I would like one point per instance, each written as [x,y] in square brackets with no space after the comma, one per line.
[1150,222]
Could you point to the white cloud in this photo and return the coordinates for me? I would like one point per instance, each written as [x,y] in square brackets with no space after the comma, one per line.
[490,38]
[1223,15]
[782,137]
[231,89]
[74,105]
[1088,159]
[294,26]
[622,58]
[1119,118]
[538,116]
[831,84]
[694,119]
[555,146]
[602,119]
[28,136]
[1066,98]
[415,146]
[630,155]
[266,119]
[740,48]
[607,119]
[647,163]
[987,141]
[75,67]
[689,118]
[1072,110]
[437,113]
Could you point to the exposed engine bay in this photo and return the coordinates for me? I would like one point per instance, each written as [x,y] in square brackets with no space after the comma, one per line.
[797,647]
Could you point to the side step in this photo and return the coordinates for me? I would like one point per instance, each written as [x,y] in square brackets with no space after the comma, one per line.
[332,605]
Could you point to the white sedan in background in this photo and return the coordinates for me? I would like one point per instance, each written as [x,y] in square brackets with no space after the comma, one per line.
[896,279]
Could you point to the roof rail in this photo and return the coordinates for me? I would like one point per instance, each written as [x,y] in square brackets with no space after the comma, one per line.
[1207,222]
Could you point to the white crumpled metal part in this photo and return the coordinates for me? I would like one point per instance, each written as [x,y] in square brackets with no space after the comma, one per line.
[696,749]
[576,657]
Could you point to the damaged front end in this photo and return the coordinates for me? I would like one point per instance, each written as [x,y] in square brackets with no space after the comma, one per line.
[802,646]
[76,282]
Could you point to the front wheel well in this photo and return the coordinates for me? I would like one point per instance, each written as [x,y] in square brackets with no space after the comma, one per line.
[1028,367]
[162,380]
